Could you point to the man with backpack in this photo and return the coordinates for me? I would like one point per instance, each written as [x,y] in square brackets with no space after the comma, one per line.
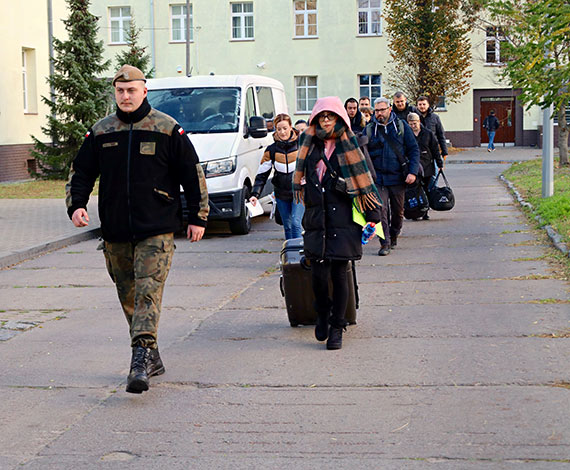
[491,124]
[395,156]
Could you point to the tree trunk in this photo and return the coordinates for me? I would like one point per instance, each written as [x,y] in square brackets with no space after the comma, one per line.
[562,136]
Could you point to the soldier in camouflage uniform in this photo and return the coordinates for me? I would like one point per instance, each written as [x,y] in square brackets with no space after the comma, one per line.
[141,157]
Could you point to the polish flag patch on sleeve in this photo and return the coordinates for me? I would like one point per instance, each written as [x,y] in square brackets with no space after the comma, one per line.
[181,131]
[88,134]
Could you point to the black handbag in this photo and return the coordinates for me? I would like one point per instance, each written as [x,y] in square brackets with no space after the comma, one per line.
[441,198]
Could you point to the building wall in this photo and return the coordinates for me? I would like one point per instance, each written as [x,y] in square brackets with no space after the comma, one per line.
[20,31]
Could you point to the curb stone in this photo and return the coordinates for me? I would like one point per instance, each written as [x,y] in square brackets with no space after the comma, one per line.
[552,234]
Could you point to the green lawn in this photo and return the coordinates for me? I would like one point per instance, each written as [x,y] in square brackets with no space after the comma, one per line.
[36,189]
[554,210]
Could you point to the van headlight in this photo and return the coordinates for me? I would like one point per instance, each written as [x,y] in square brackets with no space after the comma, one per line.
[223,166]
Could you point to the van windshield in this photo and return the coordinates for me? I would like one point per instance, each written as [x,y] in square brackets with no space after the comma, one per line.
[200,110]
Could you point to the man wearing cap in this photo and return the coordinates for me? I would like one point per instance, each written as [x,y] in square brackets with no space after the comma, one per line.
[141,157]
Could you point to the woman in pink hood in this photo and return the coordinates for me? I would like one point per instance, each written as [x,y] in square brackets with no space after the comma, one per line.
[331,175]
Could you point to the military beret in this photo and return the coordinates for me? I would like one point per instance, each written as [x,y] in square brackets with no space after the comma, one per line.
[128,73]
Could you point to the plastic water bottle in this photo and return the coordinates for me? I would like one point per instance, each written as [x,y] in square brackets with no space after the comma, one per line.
[368,232]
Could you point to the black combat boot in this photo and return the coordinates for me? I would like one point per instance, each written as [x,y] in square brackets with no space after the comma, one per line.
[137,381]
[155,365]
[335,338]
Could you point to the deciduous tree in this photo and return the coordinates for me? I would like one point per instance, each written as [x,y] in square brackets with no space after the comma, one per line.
[430,47]
[538,51]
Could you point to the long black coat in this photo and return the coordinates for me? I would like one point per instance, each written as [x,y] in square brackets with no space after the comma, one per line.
[429,151]
[330,232]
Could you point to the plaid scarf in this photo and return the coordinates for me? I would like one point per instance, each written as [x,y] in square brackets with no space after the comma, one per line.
[353,167]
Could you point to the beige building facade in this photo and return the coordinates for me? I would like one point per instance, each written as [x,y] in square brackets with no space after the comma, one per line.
[24,35]
[314,47]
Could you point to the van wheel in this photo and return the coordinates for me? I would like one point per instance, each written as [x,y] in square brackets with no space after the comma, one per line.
[242,225]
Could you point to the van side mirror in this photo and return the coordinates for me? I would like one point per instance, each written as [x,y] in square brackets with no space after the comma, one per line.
[257,127]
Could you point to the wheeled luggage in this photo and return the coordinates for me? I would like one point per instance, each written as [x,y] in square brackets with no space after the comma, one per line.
[296,286]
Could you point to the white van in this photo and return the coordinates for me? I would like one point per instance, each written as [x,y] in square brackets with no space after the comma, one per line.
[227,118]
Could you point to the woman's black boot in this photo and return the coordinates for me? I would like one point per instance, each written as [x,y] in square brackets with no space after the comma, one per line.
[335,338]
[322,327]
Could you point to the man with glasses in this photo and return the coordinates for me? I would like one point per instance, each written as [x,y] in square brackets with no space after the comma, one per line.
[395,155]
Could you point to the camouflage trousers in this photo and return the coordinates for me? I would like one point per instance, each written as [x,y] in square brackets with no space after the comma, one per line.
[139,270]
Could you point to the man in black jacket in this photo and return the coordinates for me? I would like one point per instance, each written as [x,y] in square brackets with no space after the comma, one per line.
[401,106]
[141,156]
[491,124]
[431,121]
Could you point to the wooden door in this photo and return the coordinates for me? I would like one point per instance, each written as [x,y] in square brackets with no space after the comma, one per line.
[505,113]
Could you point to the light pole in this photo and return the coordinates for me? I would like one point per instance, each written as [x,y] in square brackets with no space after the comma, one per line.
[188,38]
[547,152]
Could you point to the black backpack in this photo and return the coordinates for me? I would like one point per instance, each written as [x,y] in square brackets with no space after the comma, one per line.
[441,198]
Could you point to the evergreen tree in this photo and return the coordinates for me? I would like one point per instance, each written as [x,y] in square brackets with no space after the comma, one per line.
[430,47]
[538,51]
[135,54]
[80,97]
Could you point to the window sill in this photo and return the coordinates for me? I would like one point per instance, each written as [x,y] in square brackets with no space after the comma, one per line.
[180,42]
[117,44]
[305,37]
[308,113]
[30,113]
[370,35]
[242,40]
[494,64]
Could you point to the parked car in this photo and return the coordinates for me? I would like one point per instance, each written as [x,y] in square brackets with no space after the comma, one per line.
[228,119]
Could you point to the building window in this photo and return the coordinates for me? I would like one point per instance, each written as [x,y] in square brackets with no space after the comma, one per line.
[242,20]
[120,19]
[369,18]
[493,42]
[25,79]
[567,114]
[29,85]
[178,23]
[440,105]
[305,93]
[305,18]
[371,86]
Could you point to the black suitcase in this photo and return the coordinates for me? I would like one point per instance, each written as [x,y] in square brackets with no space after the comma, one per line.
[296,286]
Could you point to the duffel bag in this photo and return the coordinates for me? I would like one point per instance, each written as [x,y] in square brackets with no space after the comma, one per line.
[441,198]
[415,201]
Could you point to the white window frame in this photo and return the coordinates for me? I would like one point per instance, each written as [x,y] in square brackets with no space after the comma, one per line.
[305,14]
[369,11]
[25,78]
[306,87]
[441,104]
[124,23]
[242,15]
[493,34]
[370,85]
[182,18]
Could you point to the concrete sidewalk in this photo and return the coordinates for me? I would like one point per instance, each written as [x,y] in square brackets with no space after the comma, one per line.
[31,227]
[460,359]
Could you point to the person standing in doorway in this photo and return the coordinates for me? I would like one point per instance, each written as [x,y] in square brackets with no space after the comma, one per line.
[141,157]
[491,124]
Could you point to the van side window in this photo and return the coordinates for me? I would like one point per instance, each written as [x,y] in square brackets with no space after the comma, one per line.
[266,105]
[249,106]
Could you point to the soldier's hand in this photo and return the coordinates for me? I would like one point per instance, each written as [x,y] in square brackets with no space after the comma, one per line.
[195,233]
[410,179]
[80,218]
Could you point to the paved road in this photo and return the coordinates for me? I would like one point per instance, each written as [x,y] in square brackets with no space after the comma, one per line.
[456,361]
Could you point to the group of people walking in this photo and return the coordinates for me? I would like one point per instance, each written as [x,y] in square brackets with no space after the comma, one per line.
[325,169]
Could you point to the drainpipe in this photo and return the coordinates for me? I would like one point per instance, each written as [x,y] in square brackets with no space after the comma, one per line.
[152,45]
[188,71]
[50,42]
